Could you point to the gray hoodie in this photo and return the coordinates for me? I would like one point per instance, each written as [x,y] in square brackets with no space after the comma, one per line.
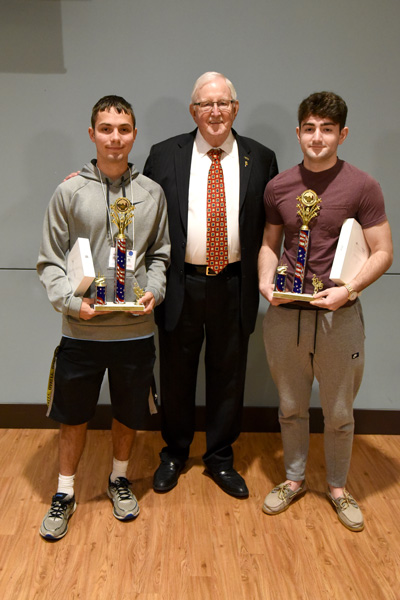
[78,208]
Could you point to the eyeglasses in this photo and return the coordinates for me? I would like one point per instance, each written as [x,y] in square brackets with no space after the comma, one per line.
[208,105]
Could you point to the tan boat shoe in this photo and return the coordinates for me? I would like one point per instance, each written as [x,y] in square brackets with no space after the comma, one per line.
[280,497]
[348,511]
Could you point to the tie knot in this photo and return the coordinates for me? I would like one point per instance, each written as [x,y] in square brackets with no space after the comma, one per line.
[215,153]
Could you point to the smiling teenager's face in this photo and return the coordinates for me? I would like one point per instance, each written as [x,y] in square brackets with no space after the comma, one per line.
[113,135]
[319,139]
[214,123]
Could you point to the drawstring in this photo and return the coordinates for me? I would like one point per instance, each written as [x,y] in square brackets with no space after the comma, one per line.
[109,230]
[315,328]
[107,199]
[298,328]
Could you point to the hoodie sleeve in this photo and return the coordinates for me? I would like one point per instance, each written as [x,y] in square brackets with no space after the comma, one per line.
[52,260]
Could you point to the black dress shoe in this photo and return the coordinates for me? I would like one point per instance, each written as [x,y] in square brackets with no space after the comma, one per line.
[166,476]
[230,481]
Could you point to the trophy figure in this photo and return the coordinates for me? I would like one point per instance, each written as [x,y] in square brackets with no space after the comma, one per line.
[121,215]
[308,205]
[138,291]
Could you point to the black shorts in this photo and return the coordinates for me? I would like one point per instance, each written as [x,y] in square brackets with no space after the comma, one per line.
[79,372]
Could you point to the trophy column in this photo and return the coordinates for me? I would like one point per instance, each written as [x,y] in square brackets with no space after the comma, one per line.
[120,269]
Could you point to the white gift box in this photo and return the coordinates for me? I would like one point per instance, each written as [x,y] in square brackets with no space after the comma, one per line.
[80,268]
[352,252]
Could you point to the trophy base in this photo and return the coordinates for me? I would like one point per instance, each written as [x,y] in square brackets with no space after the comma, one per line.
[293,296]
[124,307]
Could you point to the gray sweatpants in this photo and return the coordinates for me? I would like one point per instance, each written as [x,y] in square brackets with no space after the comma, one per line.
[301,344]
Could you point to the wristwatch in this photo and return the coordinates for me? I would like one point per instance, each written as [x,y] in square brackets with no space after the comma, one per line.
[352,293]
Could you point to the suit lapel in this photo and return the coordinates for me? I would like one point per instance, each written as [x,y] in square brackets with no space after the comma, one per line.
[183,159]
[245,165]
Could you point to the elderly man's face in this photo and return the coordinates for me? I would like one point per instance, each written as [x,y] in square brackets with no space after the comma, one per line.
[214,122]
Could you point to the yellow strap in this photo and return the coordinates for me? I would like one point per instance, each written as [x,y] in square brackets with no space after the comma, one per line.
[51,376]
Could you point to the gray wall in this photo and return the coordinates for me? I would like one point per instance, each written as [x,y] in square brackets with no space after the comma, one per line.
[58,57]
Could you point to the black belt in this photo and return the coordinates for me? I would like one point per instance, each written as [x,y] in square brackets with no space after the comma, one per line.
[230,269]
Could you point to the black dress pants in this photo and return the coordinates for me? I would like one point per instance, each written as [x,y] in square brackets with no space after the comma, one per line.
[211,312]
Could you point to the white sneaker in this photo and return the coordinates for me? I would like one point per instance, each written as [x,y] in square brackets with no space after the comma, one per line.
[55,523]
[125,504]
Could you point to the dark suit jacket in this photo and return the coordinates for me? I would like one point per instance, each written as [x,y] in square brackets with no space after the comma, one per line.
[169,165]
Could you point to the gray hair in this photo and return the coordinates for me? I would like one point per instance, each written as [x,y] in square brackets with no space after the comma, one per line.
[206,78]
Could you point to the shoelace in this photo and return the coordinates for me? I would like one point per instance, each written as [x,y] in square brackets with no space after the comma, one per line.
[57,508]
[121,484]
[347,500]
[283,491]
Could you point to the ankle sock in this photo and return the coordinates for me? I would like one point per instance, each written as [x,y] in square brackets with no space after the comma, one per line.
[119,469]
[66,484]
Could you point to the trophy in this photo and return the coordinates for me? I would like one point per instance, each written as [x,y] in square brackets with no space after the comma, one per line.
[121,215]
[308,205]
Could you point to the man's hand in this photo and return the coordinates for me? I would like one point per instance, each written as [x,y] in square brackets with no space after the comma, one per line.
[149,303]
[71,175]
[267,289]
[331,298]
[87,312]
[268,261]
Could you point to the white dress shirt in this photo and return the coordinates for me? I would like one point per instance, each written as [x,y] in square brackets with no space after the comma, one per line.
[197,215]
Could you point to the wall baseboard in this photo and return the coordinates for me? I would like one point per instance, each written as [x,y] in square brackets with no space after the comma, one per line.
[255,419]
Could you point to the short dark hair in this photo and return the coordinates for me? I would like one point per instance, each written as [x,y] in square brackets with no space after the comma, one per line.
[116,102]
[324,104]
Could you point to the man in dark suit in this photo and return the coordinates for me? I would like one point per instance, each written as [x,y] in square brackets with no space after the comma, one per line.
[217,302]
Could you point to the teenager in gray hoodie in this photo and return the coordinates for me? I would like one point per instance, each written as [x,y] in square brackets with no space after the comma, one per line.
[92,342]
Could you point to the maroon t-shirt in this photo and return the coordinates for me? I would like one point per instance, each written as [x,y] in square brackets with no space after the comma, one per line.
[345,192]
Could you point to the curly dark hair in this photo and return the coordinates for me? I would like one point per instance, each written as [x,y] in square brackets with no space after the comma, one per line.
[324,104]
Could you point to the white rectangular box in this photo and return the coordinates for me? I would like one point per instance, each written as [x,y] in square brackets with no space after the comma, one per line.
[80,268]
[352,252]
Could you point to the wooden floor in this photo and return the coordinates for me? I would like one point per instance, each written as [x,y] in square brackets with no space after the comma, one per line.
[197,543]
